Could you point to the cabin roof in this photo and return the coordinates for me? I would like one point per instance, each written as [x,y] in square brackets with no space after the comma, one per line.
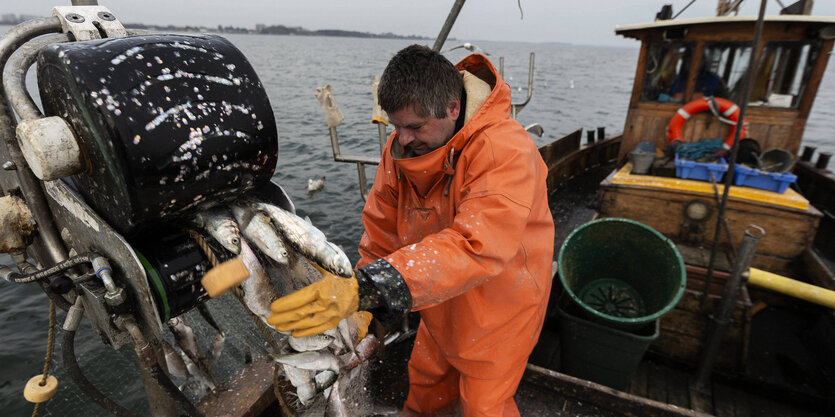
[629,30]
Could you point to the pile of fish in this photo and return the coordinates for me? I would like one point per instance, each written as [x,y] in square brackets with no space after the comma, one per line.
[277,248]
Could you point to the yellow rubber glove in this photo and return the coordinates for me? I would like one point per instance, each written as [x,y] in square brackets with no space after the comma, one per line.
[317,307]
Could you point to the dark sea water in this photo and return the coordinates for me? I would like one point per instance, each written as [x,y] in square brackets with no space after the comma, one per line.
[574,87]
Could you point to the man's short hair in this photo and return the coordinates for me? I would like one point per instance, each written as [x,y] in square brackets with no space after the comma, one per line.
[421,78]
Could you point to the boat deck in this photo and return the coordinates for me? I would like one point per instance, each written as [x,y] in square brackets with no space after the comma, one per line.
[656,390]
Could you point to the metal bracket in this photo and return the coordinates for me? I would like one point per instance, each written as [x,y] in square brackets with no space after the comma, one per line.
[516,108]
[89,22]
[90,233]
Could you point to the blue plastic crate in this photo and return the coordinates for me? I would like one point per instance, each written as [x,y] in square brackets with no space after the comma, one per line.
[772,181]
[693,170]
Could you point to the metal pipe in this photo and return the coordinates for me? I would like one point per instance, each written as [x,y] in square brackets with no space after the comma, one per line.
[14,75]
[450,20]
[29,185]
[163,395]
[516,108]
[85,2]
[721,320]
[791,287]
[338,157]
[361,161]
[746,93]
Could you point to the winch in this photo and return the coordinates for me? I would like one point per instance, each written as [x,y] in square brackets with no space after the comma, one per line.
[164,123]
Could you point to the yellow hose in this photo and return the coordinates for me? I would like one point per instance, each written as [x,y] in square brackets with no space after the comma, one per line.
[791,287]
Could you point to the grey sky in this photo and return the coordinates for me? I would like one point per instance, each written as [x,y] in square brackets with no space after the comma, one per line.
[574,21]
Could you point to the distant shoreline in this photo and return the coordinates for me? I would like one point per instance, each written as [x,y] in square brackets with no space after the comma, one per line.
[260,29]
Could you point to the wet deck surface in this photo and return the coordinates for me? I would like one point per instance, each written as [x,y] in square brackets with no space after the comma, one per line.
[575,203]
[667,384]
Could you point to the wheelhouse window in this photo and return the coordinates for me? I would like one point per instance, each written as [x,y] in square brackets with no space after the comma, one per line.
[667,65]
[722,69]
[782,74]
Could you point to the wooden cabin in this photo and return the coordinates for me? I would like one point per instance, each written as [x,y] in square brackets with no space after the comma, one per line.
[685,60]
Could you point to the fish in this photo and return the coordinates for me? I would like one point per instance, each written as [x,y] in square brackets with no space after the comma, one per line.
[173,361]
[311,361]
[217,345]
[184,337]
[258,292]
[335,406]
[315,184]
[310,343]
[257,228]
[308,240]
[219,224]
[196,374]
[325,379]
[362,352]
[303,381]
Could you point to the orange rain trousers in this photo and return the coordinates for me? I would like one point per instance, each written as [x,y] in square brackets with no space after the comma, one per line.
[435,385]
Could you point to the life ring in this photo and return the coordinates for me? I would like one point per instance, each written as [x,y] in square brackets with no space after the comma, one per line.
[728,112]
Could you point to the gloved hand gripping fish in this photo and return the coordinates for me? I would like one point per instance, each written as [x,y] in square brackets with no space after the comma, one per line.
[286,241]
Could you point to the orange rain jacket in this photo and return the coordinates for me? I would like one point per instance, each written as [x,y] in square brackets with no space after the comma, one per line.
[469,229]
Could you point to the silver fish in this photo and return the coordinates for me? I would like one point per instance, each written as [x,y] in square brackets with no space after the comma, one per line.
[309,343]
[325,379]
[173,361]
[336,407]
[258,229]
[348,332]
[302,380]
[308,240]
[184,337]
[220,225]
[258,292]
[311,361]
[197,374]
[217,345]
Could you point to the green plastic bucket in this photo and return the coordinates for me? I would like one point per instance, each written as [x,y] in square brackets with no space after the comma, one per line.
[600,353]
[621,273]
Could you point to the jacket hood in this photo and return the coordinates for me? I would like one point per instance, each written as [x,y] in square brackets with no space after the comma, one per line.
[426,170]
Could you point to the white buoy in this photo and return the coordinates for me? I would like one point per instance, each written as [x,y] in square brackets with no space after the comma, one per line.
[34,392]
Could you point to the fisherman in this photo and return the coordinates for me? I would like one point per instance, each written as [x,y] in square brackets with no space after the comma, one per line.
[457,227]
